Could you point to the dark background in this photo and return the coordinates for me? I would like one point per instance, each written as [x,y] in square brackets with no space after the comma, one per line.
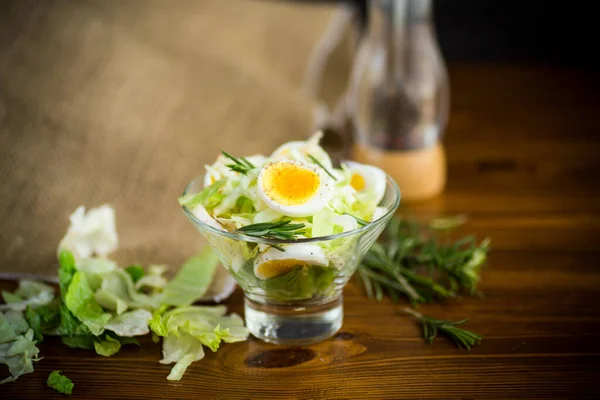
[508,31]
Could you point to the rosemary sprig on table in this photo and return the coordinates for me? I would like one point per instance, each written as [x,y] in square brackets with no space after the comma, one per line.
[462,338]
[313,159]
[282,230]
[241,165]
[421,263]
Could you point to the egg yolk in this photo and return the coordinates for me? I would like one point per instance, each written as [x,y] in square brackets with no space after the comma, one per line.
[273,268]
[289,184]
[357,182]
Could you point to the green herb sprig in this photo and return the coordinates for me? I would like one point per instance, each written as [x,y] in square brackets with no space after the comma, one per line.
[462,338]
[241,165]
[421,263]
[282,230]
[313,159]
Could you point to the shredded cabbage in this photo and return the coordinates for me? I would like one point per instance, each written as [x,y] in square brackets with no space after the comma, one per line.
[187,329]
[91,233]
[29,293]
[103,307]
[233,200]
[17,347]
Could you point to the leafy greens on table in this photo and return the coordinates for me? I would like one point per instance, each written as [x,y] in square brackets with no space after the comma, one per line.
[102,307]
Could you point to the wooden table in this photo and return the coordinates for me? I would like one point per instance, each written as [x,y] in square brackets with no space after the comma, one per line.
[524,164]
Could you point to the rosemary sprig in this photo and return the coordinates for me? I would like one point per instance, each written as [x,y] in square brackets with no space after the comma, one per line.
[462,338]
[421,263]
[322,166]
[282,230]
[241,165]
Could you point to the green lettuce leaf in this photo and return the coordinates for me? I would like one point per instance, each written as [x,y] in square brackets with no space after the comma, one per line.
[29,293]
[323,223]
[16,321]
[66,270]
[152,280]
[244,206]
[107,346]
[208,324]
[136,272]
[192,280]
[132,323]
[60,383]
[81,302]
[118,293]
[208,198]
[69,324]
[6,332]
[73,332]
[156,323]
[9,298]
[95,269]
[186,329]
[182,350]
[85,342]
[17,349]
[128,340]
[111,301]
[43,320]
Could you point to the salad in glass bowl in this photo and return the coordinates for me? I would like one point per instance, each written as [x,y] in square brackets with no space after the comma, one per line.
[291,229]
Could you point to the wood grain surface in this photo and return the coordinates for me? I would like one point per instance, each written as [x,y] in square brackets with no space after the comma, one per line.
[524,165]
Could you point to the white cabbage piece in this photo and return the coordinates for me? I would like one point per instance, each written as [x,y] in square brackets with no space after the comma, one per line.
[91,233]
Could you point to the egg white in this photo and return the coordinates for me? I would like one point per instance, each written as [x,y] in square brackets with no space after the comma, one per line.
[346,222]
[299,151]
[294,254]
[316,203]
[378,213]
[258,160]
[375,179]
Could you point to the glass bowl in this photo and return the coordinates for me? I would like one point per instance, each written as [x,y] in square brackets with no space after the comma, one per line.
[303,305]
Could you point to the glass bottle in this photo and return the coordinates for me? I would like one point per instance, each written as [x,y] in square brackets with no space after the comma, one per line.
[399,96]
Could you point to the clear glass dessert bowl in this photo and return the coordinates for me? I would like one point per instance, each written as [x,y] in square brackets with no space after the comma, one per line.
[289,299]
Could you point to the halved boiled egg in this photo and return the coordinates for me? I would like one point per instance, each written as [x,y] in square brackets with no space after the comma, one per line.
[293,188]
[300,150]
[273,262]
[367,179]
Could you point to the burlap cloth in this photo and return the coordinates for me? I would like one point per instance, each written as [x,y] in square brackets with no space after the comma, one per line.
[123,102]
